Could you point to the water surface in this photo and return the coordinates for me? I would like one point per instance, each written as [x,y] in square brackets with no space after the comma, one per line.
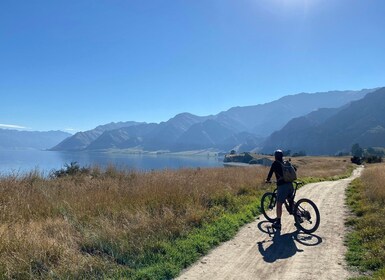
[22,161]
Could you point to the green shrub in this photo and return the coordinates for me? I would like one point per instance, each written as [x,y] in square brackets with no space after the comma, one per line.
[71,169]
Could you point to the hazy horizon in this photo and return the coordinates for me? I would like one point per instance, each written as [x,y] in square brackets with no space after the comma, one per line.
[20,128]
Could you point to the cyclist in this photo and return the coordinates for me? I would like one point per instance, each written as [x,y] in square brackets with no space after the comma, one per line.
[284,189]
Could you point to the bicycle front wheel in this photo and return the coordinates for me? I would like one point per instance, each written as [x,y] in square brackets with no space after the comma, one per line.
[306,215]
[268,202]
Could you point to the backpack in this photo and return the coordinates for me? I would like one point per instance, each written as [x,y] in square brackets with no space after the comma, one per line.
[288,170]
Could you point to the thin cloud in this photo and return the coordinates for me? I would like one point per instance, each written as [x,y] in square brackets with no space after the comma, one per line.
[12,126]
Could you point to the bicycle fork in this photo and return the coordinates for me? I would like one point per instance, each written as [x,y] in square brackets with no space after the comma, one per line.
[272,202]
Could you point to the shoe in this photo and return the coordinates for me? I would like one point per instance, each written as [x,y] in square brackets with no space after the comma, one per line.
[276,225]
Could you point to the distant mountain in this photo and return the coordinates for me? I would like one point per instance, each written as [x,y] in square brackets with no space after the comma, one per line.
[208,134]
[82,140]
[166,134]
[264,119]
[330,131]
[147,136]
[238,128]
[241,142]
[15,139]
[125,137]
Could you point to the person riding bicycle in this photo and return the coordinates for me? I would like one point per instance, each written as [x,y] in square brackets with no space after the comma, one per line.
[284,189]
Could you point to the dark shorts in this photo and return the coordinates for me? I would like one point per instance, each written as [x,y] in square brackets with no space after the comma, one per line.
[284,191]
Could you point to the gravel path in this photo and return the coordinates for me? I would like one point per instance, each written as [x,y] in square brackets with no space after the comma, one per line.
[256,252]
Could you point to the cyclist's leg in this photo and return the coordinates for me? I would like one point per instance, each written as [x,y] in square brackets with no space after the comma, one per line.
[290,198]
[277,223]
[284,192]
[279,210]
[281,197]
[290,201]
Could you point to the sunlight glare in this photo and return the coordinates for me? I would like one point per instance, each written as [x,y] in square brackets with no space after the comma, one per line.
[288,6]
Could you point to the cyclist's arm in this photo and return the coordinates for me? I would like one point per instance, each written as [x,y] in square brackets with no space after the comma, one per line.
[270,173]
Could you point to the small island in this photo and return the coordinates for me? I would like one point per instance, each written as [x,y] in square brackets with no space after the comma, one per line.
[245,159]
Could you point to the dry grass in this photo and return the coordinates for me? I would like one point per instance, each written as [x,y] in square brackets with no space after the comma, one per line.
[321,167]
[93,225]
[374,178]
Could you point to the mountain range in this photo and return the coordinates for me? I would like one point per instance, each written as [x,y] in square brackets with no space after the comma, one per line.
[81,140]
[317,123]
[240,128]
[332,131]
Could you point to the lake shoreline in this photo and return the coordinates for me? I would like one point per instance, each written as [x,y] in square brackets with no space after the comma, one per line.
[27,160]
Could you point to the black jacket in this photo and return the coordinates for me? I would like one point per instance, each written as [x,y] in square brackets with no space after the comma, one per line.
[276,168]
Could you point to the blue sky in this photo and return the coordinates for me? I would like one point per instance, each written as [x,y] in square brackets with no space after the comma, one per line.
[75,64]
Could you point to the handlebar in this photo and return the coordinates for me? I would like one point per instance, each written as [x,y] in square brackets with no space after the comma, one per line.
[295,183]
[298,184]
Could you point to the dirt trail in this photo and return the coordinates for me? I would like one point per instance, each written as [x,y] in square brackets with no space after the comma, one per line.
[255,253]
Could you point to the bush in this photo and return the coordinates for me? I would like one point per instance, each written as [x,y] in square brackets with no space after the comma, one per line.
[356,160]
[299,154]
[71,169]
[373,159]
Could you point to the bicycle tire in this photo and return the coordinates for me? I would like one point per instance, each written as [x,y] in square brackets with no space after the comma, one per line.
[306,215]
[268,202]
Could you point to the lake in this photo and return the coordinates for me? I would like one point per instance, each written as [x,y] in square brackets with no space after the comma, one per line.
[22,161]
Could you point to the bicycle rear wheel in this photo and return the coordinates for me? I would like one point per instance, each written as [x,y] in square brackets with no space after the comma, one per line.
[268,202]
[306,215]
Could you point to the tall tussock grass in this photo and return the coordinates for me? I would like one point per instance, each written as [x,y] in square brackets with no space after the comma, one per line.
[374,180]
[366,242]
[113,223]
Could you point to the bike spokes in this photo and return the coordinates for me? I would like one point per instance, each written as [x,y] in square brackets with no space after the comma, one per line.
[307,216]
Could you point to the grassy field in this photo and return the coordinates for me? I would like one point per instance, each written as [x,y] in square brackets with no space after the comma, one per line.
[110,223]
[366,241]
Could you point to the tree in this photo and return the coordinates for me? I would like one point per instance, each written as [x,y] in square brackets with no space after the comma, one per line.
[286,153]
[299,154]
[374,152]
[357,151]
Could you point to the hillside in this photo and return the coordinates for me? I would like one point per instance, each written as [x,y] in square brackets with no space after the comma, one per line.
[203,135]
[264,119]
[240,128]
[81,140]
[332,131]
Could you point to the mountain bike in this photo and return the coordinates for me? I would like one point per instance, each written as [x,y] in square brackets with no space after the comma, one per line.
[305,212]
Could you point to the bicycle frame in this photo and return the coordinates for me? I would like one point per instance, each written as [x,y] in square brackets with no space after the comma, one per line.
[296,184]
[305,212]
